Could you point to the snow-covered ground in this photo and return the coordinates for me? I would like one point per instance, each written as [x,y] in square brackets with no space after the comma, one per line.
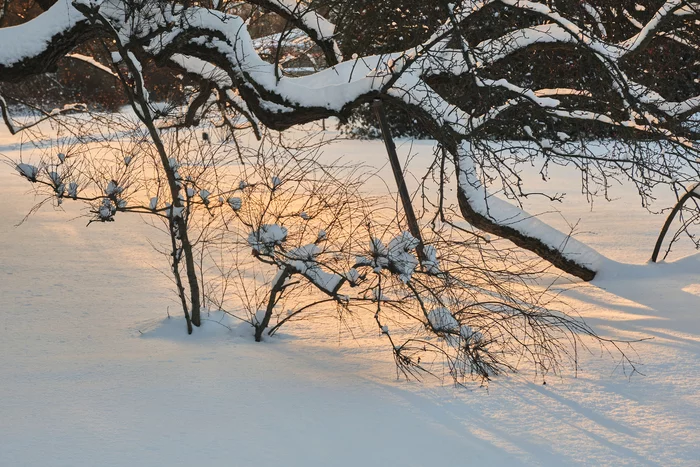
[93,372]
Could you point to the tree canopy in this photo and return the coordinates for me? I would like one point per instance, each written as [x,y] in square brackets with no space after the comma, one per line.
[483,77]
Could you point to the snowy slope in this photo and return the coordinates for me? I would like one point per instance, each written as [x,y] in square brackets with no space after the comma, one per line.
[92,372]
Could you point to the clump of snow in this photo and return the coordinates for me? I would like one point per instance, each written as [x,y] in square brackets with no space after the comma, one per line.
[28,171]
[55,178]
[204,194]
[401,260]
[397,257]
[175,211]
[113,188]
[352,276]
[441,320]
[153,203]
[235,203]
[276,182]
[73,190]
[107,210]
[431,263]
[305,253]
[267,237]
[61,157]
[470,335]
[304,261]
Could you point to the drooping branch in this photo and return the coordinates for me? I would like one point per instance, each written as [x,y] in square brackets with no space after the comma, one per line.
[500,218]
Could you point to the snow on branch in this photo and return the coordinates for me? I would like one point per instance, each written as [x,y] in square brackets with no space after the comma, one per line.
[91,61]
[310,21]
[38,43]
[482,209]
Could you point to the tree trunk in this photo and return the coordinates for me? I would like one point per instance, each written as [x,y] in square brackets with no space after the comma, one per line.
[277,285]
[406,202]
[138,98]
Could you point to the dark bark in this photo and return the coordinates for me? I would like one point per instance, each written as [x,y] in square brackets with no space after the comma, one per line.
[276,289]
[672,215]
[406,202]
[178,278]
[205,88]
[45,4]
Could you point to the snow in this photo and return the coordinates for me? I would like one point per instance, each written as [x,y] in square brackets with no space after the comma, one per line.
[174,211]
[431,262]
[504,213]
[95,373]
[106,210]
[304,261]
[73,190]
[310,18]
[204,194]
[276,182]
[32,38]
[91,61]
[400,256]
[336,87]
[442,320]
[113,188]
[27,170]
[235,203]
[267,237]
